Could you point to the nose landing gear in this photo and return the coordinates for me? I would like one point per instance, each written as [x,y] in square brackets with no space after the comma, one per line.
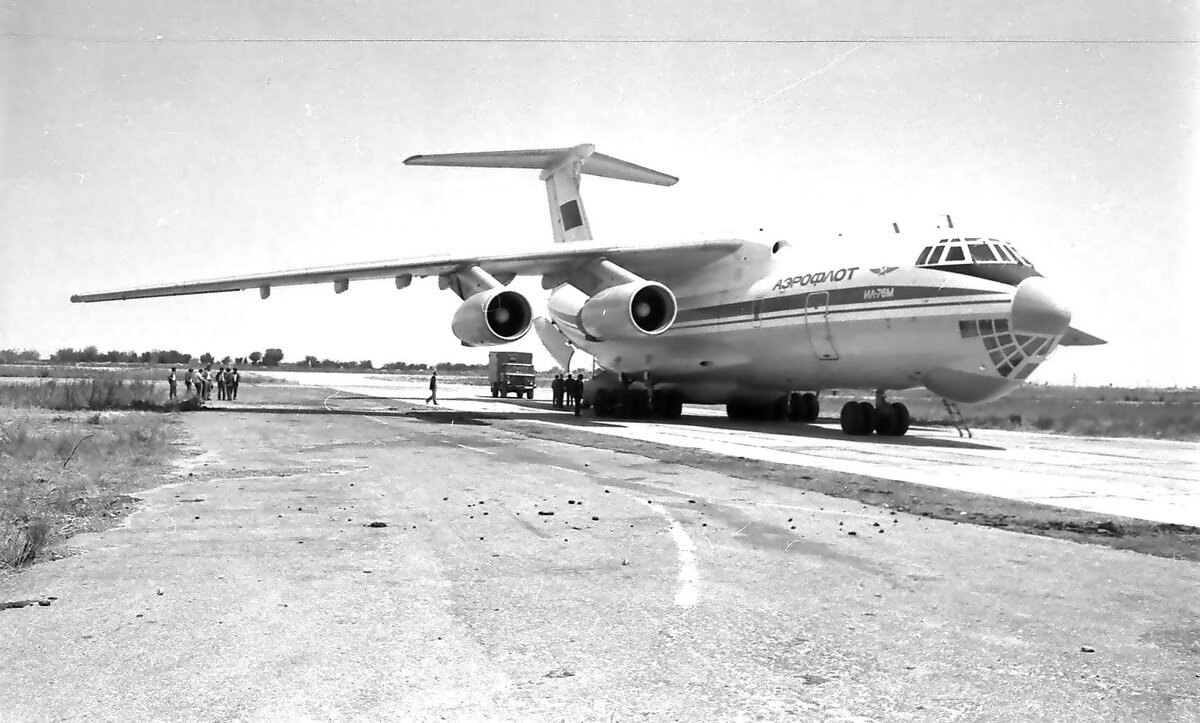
[883,418]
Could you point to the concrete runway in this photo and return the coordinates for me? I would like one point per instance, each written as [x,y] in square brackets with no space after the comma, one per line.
[1157,480]
[249,588]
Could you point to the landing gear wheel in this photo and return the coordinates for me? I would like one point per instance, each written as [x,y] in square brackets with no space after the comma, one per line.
[804,407]
[813,408]
[902,419]
[603,403]
[639,406]
[735,410]
[674,401]
[868,417]
[851,417]
[858,418]
[529,394]
[885,421]
[776,411]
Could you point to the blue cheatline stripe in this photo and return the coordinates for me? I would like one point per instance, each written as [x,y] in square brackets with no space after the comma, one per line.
[837,297]
[874,308]
[850,299]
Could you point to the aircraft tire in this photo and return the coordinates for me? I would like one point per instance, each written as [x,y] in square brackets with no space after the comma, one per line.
[603,403]
[674,404]
[796,407]
[902,419]
[777,411]
[851,418]
[886,421]
[868,417]
[812,407]
[638,407]
[660,409]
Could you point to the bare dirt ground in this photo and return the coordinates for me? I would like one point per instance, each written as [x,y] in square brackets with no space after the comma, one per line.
[521,575]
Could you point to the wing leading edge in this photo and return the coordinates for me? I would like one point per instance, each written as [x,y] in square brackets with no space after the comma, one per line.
[651,261]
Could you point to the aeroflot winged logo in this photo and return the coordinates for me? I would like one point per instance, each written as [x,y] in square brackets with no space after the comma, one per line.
[884,270]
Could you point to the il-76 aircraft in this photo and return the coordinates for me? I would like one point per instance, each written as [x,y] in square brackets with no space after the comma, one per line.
[759,327]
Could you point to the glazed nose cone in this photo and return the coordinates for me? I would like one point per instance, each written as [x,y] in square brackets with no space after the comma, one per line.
[1036,308]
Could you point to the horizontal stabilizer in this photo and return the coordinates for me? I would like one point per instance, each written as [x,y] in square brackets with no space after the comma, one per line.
[549,160]
[1075,337]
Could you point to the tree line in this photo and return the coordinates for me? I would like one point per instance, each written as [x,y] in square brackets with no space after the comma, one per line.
[270,358]
[93,355]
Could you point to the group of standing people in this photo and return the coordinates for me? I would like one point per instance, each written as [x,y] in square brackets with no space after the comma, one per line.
[567,392]
[200,383]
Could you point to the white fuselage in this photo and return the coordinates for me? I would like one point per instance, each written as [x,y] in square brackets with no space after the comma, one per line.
[771,320]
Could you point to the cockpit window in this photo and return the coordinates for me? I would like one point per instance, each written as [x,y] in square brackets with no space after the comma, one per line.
[955,254]
[924,255]
[982,252]
[937,254]
[1002,253]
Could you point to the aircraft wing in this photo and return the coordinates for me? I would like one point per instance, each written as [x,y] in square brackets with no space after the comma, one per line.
[657,261]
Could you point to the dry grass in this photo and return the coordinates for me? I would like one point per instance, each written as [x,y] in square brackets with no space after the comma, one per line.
[62,471]
[1090,411]
[144,373]
[100,393]
[65,473]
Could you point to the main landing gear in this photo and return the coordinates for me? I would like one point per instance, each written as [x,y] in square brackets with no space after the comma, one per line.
[883,418]
[627,403]
[796,407]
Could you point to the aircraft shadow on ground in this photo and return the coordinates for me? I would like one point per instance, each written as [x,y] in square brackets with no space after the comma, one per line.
[544,412]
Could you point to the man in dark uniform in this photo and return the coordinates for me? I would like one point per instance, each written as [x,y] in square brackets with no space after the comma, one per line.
[432,388]
[556,389]
[578,393]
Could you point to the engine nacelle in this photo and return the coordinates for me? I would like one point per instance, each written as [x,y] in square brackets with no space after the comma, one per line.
[638,308]
[495,316]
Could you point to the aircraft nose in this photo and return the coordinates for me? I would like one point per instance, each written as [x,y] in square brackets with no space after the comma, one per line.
[1038,309]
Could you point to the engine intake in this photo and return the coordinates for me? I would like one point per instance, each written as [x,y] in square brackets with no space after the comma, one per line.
[495,316]
[638,308]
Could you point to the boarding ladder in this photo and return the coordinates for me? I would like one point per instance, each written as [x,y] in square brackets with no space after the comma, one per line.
[956,418]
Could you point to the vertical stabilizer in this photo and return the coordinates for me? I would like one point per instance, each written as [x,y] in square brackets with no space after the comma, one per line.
[561,169]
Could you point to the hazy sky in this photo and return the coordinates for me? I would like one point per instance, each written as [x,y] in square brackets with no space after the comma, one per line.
[147,142]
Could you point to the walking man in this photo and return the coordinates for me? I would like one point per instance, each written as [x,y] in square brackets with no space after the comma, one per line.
[578,393]
[432,388]
[174,384]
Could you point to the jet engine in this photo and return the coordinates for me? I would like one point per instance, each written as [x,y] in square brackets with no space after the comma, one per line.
[493,316]
[637,308]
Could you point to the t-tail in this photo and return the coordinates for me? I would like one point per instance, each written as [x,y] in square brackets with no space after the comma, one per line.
[560,169]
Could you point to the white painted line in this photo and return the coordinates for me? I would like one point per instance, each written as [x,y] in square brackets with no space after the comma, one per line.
[331,396]
[474,449]
[377,420]
[689,573]
[564,469]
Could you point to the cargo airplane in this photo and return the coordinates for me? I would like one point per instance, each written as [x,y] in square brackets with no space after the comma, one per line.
[759,327]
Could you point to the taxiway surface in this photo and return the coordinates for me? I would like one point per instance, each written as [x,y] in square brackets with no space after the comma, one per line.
[525,579]
[1157,480]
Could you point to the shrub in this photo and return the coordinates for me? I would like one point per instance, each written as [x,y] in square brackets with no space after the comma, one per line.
[1044,422]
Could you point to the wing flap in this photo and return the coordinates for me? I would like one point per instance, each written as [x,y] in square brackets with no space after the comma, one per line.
[650,261]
